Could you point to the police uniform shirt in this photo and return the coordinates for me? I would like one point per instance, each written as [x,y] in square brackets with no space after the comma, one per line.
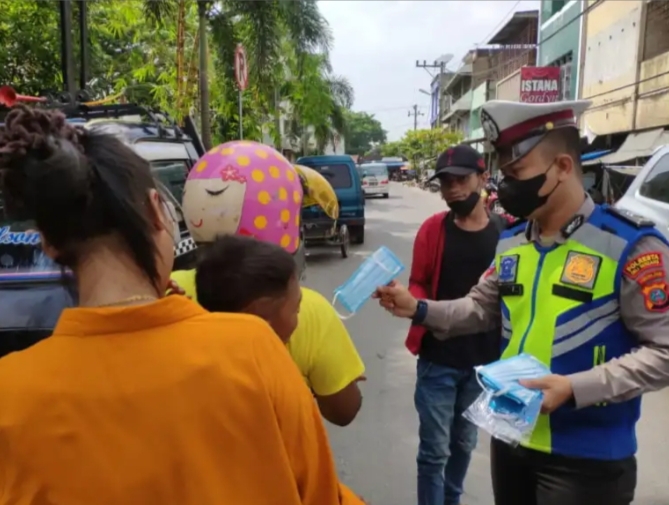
[644,309]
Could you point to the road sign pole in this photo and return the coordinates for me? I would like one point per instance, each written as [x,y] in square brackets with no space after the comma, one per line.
[242,78]
[241,122]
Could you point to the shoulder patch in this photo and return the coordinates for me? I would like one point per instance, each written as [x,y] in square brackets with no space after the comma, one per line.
[656,296]
[642,263]
[631,218]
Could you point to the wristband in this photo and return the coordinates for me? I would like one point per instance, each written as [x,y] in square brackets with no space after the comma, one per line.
[421,312]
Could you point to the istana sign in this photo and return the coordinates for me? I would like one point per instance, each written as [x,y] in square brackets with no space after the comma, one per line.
[539,84]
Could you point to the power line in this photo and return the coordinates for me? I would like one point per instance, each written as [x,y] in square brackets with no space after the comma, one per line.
[499,25]
[540,43]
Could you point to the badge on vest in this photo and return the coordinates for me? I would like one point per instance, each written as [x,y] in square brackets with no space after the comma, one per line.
[508,269]
[581,270]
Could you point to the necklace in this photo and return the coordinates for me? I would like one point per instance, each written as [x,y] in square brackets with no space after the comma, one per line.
[130,299]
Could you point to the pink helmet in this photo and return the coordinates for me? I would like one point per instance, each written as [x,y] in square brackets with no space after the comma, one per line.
[247,188]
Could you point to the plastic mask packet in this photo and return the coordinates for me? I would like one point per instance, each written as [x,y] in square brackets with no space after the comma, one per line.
[379,269]
[502,376]
[505,409]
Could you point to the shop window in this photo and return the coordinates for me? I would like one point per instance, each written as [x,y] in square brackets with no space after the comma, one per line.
[656,39]
[550,8]
[566,65]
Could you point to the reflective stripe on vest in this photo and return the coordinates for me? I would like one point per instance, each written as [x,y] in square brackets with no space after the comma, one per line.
[547,325]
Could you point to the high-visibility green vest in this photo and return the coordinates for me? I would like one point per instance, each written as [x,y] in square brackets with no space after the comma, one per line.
[561,305]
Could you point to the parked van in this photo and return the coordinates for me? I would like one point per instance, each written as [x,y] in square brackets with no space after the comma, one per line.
[341,173]
[375,179]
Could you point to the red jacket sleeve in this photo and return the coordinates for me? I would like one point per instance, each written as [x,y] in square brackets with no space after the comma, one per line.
[419,278]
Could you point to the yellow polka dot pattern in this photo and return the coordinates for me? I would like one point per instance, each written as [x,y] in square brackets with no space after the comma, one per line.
[258,175]
[283,194]
[227,151]
[285,215]
[290,174]
[260,222]
[243,161]
[261,153]
[274,172]
[285,241]
[296,196]
[264,197]
[200,167]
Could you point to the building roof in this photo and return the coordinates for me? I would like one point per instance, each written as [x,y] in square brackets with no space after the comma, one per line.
[464,71]
[518,22]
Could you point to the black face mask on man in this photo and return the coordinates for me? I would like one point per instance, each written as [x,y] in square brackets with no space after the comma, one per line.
[463,208]
[520,197]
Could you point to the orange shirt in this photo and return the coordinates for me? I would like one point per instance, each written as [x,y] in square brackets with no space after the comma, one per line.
[161,404]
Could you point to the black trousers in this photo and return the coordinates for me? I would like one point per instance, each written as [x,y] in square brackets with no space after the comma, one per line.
[524,477]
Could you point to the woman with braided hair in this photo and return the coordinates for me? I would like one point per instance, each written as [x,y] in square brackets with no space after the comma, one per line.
[138,398]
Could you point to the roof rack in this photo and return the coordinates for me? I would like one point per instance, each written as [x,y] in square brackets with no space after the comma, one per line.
[157,118]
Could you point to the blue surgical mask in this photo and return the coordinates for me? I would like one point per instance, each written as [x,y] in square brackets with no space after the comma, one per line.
[505,409]
[377,270]
[501,377]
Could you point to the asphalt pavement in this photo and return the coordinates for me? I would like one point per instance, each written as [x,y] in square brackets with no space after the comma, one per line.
[376,454]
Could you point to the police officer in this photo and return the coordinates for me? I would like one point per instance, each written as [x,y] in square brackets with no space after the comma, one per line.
[583,288]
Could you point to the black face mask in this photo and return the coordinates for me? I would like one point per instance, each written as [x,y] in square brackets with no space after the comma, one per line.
[463,208]
[520,198]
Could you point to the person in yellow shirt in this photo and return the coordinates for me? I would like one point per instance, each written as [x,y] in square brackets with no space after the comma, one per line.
[137,398]
[261,197]
[228,279]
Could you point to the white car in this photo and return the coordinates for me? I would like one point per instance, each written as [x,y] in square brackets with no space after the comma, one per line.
[648,195]
[375,181]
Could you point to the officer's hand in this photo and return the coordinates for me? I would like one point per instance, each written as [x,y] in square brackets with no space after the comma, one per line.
[396,299]
[556,388]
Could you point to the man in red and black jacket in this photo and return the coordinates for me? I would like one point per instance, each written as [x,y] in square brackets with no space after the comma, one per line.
[451,251]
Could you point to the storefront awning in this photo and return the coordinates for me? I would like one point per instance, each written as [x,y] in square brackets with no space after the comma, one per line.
[636,145]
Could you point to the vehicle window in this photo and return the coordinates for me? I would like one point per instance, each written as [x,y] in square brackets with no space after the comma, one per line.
[173,175]
[339,176]
[376,170]
[656,185]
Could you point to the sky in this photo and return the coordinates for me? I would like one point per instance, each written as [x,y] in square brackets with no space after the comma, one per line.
[377,43]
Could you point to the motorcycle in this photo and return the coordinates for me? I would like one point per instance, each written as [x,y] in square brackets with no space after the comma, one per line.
[492,201]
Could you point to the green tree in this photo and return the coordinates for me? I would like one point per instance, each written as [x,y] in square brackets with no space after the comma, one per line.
[316,99]
[393,149]
[363,131]
[423,146]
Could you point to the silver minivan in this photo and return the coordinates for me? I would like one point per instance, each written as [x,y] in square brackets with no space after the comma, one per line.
[648,195]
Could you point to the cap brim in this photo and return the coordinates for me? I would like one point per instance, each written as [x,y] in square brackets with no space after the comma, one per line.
[453,171]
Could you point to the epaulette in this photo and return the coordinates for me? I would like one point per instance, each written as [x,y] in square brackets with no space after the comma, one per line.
[632,218]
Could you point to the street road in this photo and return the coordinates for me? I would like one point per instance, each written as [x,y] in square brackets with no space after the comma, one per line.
[376,453]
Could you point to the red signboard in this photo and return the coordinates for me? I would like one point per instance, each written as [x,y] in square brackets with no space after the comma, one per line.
[539,84]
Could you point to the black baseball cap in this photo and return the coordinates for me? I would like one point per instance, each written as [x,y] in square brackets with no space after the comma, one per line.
[462,159]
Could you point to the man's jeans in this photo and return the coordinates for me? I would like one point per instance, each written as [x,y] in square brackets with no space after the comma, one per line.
[446,438]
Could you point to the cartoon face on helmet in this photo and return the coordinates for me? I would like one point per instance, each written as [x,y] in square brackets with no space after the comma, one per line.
[246,188]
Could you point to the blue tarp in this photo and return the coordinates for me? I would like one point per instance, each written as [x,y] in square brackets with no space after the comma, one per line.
[594,155]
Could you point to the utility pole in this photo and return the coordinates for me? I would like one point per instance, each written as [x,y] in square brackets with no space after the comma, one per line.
[415,113]
[67,48]
[441,65]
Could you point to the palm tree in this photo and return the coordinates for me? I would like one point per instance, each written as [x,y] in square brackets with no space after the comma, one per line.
[261,26]
[317,100]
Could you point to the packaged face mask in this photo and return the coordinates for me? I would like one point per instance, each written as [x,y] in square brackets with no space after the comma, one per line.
[505,409]
[377,270]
